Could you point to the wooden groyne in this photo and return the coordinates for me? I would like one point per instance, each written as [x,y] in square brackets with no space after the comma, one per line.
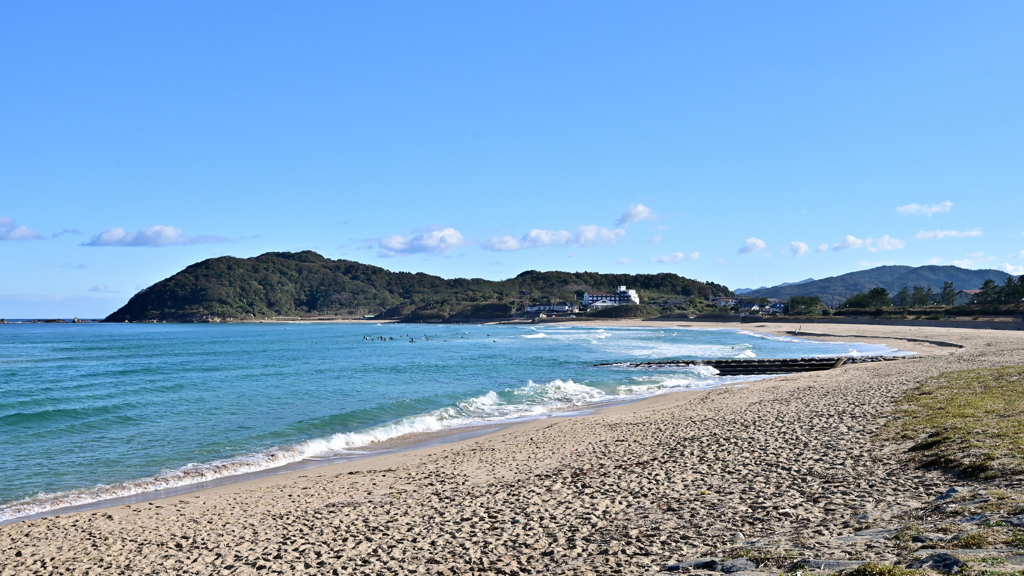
[756,366]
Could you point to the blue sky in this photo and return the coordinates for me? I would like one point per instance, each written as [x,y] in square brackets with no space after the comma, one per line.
[744,143]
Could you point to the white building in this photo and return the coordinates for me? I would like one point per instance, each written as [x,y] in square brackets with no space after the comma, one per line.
[723,301]
[965,297]
[602,299]
[558,307]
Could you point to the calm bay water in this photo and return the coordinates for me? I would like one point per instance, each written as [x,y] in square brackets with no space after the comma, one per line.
[93,411]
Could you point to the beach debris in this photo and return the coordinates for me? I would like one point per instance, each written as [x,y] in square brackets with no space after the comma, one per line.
[714,565]
[736,565]
[825,565]
[942,562]
[954,491]
[696,564]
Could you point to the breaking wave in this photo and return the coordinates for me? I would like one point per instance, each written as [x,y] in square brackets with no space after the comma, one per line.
[531,401]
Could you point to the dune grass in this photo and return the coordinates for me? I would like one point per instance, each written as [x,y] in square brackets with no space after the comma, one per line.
[970,421]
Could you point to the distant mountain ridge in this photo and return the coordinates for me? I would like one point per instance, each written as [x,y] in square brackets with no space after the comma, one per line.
[306,284]
[746,290]
[836,289]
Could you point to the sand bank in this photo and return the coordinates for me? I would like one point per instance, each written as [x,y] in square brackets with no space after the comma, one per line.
[788,465]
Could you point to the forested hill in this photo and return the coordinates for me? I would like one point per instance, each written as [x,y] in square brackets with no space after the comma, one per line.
[892,278]
[307,284]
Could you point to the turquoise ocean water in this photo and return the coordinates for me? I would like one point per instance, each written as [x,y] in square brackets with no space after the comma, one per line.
[95,411]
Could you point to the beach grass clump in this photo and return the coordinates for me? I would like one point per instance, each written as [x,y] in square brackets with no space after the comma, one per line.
[969,421]
[972,541]
[872,569]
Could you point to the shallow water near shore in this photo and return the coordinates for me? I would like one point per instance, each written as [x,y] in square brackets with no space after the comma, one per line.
[91,412]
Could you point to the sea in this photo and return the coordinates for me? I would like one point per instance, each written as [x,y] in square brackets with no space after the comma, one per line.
[92,412]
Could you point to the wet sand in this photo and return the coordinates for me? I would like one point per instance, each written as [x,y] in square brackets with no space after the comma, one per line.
[785,465]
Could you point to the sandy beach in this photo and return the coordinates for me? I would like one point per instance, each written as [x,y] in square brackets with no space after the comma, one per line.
[790,467]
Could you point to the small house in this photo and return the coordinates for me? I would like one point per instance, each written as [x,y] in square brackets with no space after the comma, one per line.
[965,297]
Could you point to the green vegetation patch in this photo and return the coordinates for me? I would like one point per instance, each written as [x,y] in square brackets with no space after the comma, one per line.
[880,570]
[971,421]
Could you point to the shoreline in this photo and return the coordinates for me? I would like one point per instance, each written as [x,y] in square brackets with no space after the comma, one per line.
[407,442]
[626,489]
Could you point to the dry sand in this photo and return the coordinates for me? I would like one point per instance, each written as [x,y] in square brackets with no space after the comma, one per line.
[788,465]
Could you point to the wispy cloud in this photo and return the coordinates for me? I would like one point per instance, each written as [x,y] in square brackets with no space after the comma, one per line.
[1018,254]
[751,245]
[153,237]
[635,213]
[676,257]
[99,288]
[940,234]
[624,261]
[590,235]
[439,241]
[935,261]
[71,231]
[799,248]
[821,248]
[973,259]
[926,209]
[848,242]
[656,239]
[1010,268]
[867,264]
[884,243]
[11,231]
[880,244]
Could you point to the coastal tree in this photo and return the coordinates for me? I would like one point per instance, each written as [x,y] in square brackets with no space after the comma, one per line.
[948,294]
[804,306]
[920,296]
[877,297]
[902,298]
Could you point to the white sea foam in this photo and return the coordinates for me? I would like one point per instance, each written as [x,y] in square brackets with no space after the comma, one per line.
[530,401]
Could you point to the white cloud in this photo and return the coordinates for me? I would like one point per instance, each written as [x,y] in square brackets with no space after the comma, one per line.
[822,248]
[590,235]
[884,243]
[798,248]
[1018,254]
[847,243]
[10,231]
[656,239]
[676,257]
[593,235]
[624,261]
[935,261]
[99,288]
[873,244]
[440,241]
[976,259]
[751,245]
[1015,270]
[154,236]
[71,231]
[635,213]
[867,264]
[939,234]
[720,261]
[925,210]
